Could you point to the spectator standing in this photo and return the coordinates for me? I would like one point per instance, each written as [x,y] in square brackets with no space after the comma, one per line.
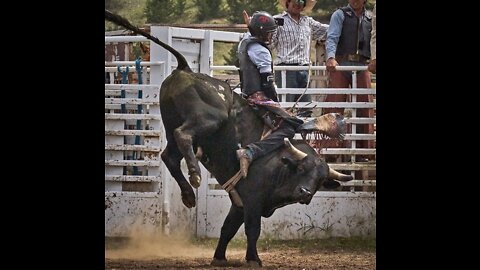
[348,44]
[372,66]
[291,43]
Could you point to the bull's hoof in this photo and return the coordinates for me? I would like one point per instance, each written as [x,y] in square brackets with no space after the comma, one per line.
[195,180]
[188,199]
[217,262]
[254,264]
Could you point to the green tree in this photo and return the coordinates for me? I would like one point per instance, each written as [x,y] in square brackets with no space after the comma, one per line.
[114,5]
[236,7]
[234,15]
[329,5]
[332,5]
[231,57]
[132,10]
[179,8]
[164,11]
[209,9]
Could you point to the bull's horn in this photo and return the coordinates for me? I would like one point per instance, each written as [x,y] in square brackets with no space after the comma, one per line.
[339,176]
[297,154]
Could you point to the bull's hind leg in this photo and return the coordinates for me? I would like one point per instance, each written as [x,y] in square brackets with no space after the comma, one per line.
[202,116]
[171,156]
[184,136]
[232,223]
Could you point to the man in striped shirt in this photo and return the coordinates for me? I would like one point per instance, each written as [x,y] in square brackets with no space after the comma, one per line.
[291,43]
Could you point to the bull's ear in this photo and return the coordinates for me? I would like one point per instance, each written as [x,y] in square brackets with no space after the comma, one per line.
[290,163]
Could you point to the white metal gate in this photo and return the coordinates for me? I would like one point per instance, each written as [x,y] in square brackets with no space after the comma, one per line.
[132,161]
[138,188]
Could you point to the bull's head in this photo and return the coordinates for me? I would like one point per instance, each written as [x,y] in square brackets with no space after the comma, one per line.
[307,172]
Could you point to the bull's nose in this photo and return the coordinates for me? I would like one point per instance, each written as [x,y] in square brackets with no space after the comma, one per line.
[305,191]
[305,194]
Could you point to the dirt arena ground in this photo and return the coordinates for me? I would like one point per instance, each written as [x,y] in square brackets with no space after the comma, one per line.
[327,254]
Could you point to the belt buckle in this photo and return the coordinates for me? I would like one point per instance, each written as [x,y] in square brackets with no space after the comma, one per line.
[353,57]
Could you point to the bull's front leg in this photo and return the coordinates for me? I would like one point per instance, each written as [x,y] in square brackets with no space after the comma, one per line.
[252,230]
[232,223]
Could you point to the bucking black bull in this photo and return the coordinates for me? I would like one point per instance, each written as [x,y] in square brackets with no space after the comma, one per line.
[201,111]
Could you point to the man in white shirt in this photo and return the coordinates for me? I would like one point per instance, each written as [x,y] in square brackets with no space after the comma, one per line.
[291,43]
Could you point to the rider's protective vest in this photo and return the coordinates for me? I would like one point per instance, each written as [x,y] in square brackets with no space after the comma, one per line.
[249,74]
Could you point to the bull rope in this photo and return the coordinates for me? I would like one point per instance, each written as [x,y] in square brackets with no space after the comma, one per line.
[230,184]
[229,188]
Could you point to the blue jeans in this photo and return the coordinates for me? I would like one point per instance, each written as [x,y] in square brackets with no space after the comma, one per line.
[274,140]
[295,79]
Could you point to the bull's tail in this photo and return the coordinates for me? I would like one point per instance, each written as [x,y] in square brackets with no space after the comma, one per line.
[116,19]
